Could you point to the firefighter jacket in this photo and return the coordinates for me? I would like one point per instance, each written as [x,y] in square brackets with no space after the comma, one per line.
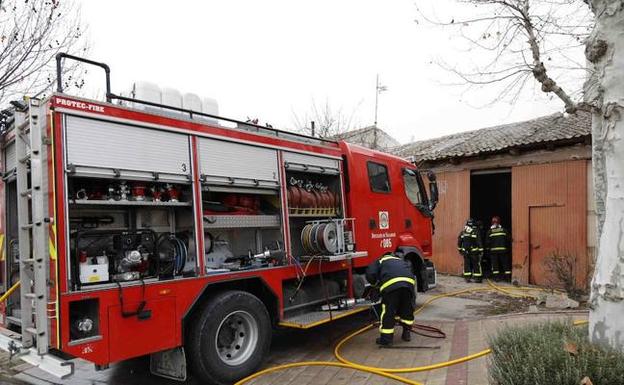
[497,240]
[469,241]
[390,273]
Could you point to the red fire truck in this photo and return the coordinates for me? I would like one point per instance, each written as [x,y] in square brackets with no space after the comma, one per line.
[134,227]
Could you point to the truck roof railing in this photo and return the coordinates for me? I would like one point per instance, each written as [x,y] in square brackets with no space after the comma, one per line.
[111,96]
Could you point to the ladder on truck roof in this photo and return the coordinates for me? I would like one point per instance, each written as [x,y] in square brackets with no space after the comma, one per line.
[34,258]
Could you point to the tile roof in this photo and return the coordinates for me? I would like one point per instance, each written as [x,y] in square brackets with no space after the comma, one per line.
[366,137]
[551,128]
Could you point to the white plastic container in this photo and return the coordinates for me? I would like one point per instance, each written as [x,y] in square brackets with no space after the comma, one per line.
[191,102]
[94,273]
[171,97]
[147,91]
[210,106]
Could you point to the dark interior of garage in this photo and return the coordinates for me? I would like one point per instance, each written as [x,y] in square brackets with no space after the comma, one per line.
[490,195]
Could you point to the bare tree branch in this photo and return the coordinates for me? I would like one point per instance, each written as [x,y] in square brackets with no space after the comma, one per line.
[520,38]
[31,34]
[328,121]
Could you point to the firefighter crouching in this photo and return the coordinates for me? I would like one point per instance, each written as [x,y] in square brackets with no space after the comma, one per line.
[497,246]
[470,246]
[395,279]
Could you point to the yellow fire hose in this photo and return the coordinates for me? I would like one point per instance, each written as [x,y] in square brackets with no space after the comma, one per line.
[388,372]
[10,291]
[383,372]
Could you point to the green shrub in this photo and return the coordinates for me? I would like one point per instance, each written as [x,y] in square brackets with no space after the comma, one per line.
[552,354]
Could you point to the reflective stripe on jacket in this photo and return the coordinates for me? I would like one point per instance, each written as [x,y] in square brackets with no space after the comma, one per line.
[469,242]
[390,273]
[497,240]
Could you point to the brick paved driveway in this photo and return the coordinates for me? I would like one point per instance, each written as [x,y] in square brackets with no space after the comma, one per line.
[460,318]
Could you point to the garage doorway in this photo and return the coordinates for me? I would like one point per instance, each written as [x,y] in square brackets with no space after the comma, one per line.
[490,195]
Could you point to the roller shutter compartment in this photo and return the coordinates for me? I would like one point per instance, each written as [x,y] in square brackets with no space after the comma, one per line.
[99,147]
[229,163]
[310,163]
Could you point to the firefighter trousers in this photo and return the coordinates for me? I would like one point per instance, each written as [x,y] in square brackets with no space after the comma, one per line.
[501,263]
[472,266]
[396,305]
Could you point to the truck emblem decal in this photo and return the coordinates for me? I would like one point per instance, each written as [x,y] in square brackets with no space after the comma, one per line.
[384,220]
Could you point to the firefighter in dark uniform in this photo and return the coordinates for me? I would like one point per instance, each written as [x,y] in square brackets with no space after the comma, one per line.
[395,280]
[497,246]
[470,246]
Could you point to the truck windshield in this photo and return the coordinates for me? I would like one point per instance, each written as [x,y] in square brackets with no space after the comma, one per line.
[414,188]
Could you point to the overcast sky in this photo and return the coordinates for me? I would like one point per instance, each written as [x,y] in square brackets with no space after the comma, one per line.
[270,59]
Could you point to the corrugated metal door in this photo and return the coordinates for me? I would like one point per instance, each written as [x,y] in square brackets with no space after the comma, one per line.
[544,234]
[450,216]
[234,163]
[99,144]
[549,213]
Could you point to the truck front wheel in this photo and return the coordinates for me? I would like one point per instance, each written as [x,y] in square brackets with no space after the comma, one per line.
[230,337]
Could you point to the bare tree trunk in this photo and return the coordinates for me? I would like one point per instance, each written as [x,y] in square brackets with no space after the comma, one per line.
[604,90]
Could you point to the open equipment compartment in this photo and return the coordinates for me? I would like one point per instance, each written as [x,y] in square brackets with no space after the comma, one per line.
[315,210]
[242,210]
[320,234]
[130,204]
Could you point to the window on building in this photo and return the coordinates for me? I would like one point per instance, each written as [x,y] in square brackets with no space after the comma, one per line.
[378,177]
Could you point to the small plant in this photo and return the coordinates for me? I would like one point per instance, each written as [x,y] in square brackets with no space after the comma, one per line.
[562,269]
[552,353]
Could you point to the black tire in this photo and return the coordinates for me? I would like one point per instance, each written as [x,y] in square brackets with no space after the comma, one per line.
[416,277]
[227,320]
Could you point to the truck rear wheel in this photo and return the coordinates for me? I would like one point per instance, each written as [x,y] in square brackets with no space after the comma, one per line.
[230,337]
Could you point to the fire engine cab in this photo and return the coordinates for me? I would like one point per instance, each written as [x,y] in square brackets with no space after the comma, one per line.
[149,225]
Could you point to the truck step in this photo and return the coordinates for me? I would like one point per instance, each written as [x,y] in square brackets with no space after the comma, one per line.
[14,320]
[31,260]
[61,368]
[34,332]
[315,318]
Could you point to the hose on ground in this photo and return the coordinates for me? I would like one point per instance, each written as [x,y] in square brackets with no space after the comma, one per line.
[389,372]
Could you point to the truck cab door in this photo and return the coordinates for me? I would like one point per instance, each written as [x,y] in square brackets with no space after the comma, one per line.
[416,212]
[374,203]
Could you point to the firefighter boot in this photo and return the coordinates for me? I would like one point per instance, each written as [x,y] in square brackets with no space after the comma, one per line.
[384,340]
[407,334]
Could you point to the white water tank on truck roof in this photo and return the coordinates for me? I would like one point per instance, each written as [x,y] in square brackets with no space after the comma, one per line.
[191,102]
[210,106]
[168,96]
[150,92]
[171,97]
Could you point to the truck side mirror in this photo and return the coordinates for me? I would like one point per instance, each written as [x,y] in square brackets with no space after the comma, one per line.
[433,190]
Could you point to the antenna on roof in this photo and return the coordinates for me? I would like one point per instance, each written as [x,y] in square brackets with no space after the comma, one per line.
[378,89]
